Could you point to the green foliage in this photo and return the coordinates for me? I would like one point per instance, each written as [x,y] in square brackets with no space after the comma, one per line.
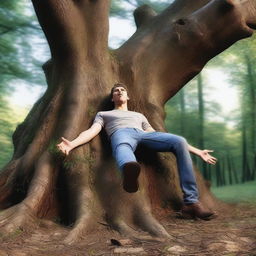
[17,25]
[18,64]
[239,63]
[242,73]
[225,141]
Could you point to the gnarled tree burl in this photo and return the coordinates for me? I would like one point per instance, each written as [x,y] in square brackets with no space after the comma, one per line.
[165,52]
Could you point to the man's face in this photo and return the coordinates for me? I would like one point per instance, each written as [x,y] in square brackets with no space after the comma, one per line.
[119,95]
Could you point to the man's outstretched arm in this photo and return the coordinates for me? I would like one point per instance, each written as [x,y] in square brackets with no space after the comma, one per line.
[204,154]
[66,146]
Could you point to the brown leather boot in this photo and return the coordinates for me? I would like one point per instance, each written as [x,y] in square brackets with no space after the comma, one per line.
[131,172]
[197,210]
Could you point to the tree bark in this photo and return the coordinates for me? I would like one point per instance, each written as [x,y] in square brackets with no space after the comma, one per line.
[83,187]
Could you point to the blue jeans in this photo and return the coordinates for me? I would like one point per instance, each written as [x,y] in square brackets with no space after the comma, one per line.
[124,142]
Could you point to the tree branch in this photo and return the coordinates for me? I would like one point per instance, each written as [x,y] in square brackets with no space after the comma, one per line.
[63,26]
[189,32]
[180,8]
[96,14]
[248,7]
[143,15]
[77,29]
[222,23]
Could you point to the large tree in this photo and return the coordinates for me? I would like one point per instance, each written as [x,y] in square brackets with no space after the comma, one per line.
[165,52]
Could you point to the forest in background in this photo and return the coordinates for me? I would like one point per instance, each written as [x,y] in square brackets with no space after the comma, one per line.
[206,125]
[190,113]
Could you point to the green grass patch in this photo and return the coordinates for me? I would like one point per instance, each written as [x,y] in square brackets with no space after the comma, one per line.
[245,192]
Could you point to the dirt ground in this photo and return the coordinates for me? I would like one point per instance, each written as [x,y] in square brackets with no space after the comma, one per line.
[232,233]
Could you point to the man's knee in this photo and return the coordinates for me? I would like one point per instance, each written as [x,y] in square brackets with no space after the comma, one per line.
[124,146]
[180,142]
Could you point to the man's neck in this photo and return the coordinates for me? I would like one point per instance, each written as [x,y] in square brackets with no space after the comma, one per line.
[121,107]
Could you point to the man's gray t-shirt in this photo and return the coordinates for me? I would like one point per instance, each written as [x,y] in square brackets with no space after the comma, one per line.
[116,119]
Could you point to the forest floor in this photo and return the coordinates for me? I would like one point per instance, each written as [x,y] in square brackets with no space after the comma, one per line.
[233,232]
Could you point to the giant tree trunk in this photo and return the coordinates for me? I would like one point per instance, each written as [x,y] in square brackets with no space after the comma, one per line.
[166,51]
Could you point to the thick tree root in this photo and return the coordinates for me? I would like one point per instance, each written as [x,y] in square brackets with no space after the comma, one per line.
[121,227]
[148,223]
[77,233]
[82,201]
[18,171]
[18,217]
[82,226]
[24,214]
[144,219]
[20,174]
[7,177]
[8,171]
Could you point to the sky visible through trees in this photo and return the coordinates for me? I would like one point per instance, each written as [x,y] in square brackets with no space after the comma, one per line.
[220,103]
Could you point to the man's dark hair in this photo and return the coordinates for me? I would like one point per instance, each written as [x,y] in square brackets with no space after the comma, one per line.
[117,85]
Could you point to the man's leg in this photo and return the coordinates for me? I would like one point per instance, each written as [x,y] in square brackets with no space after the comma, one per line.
[124,143]
[164,142]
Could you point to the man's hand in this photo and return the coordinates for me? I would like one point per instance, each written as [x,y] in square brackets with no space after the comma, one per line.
[204,154]
[65,146]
